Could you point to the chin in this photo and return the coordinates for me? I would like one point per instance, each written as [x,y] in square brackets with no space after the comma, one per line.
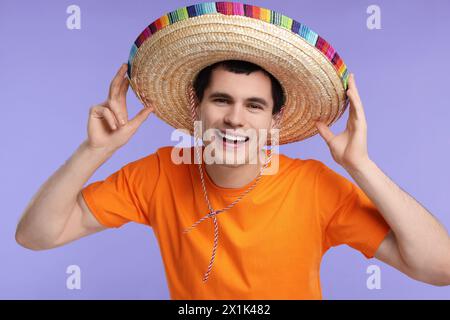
[231,165]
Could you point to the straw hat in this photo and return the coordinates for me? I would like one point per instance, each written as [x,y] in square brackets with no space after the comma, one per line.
[170,52]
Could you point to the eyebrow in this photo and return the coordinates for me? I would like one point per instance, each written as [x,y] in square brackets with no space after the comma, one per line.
[227,96]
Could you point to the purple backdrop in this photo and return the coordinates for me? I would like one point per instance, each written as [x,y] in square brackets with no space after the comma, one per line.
[51,75]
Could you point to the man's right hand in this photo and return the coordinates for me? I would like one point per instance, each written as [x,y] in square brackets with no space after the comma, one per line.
[108,125]
[57,213]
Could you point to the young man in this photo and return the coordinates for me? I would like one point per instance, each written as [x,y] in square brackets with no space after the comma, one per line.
[271,240]
[267,258]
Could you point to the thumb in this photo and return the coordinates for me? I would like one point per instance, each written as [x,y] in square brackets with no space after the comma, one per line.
[140,117]
[324,131]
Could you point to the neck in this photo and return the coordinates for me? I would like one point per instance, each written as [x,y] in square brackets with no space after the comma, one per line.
[234,177]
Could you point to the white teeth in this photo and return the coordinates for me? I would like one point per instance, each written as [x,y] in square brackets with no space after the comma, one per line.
[231,137]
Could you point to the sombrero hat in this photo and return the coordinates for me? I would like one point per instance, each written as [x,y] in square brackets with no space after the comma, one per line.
[170,52]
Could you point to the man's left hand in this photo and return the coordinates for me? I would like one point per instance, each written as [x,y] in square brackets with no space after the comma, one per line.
[349,148]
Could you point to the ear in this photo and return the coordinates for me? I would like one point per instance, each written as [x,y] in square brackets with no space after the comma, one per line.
[197,111]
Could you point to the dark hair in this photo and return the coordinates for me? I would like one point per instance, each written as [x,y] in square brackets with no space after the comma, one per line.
[203,78]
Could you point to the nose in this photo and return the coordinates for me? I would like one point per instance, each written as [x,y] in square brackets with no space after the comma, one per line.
[234,116]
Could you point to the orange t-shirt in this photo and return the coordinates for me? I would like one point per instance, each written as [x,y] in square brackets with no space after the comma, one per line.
[270,244]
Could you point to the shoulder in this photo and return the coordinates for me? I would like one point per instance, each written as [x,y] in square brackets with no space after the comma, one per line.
[150,163]
[309,167]
[323,176]
[162,155]
[332,182]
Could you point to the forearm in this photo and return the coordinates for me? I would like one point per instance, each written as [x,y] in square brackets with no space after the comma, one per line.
[46,214]
[422,241]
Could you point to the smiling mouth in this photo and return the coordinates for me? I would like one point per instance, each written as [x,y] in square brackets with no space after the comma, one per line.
[230,138]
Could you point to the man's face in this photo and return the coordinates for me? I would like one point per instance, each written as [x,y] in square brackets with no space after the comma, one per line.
[236,106]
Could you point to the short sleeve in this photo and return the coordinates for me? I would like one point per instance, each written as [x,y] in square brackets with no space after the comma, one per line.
[125,195]
[350,216]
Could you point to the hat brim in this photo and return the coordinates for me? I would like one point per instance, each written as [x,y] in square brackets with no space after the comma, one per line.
[162,69]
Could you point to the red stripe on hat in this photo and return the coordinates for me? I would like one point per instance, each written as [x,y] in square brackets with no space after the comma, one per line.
[159,24]
[256,12]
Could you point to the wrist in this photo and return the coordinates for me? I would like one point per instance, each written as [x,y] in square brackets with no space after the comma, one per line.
[361,167]
[102,152]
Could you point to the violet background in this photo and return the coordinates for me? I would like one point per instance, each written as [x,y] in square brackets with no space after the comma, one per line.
[51,75]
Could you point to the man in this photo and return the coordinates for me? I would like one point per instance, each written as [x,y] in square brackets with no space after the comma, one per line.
[60,204]
[273,239]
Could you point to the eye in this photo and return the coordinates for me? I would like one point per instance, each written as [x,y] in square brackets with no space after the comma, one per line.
[220,100]
[255,106]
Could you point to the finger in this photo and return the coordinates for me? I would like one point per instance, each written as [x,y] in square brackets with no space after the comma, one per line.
[356,108]
[119,106]
[124,89]
[117,82]
[352,86]
[140,117]
[351,110]
[324,131]
[119,110]
[111,119]
[103,112]
[118,101]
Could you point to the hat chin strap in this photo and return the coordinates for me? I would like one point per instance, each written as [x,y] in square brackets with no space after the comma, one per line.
[213,213]
[193,103]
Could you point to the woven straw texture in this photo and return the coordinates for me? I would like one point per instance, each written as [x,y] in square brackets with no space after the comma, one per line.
[170,52]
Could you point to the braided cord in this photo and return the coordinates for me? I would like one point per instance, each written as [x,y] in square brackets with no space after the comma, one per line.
[213,213]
